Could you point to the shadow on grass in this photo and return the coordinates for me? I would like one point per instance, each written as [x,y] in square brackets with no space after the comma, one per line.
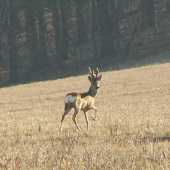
[79,66]
[154,139]
[161,139]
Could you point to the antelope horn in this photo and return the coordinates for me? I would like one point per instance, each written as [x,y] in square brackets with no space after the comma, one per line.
[97,72]
[91,72]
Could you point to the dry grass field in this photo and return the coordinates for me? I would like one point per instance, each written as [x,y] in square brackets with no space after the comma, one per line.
[132,130]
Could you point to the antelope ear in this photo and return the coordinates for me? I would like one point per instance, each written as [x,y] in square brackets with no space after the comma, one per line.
[99,78]
[90,78]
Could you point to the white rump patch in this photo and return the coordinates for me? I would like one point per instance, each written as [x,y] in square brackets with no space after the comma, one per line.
[70,99]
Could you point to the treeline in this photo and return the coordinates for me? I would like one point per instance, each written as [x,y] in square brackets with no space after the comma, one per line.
[42,34]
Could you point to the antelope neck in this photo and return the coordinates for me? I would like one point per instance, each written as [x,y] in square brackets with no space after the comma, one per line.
[92,92]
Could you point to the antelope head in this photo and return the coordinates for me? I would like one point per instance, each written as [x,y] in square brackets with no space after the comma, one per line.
[94,79]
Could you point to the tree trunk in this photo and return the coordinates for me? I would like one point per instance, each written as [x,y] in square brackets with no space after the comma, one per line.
[64,29]
[42,35]
[106,30]
[56,24]
[95,50]
[148,14]
[116,13]
[128,46]
[168,5]
[81,26]
[13,15]
[31,34]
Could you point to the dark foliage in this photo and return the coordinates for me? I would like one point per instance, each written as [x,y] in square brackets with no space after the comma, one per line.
[42,39]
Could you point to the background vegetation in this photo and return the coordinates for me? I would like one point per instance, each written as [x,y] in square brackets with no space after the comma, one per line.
[46,39]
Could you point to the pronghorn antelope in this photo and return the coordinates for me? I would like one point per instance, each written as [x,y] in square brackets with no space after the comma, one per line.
[82,101]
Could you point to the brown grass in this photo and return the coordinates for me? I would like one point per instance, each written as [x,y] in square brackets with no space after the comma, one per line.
[132,130]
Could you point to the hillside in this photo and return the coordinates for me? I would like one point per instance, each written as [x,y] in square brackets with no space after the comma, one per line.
[132,130]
